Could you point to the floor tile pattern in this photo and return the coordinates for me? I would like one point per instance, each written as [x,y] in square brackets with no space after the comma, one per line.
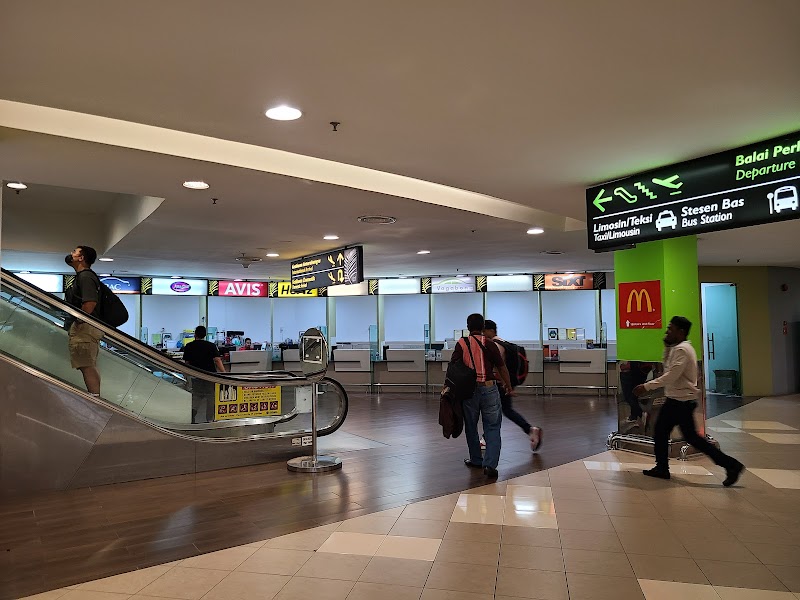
[590,529]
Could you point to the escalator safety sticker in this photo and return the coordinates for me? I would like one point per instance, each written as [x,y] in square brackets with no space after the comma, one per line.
[237,402]
[306,440]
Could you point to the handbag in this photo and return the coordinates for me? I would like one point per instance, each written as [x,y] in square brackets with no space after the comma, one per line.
[461,378]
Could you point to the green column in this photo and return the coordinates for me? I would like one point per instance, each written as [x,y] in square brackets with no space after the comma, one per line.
[674,263]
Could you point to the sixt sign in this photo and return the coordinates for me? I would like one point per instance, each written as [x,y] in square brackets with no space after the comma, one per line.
[751,185]
[569,281]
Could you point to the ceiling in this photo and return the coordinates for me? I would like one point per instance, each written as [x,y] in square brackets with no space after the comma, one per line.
[525,102]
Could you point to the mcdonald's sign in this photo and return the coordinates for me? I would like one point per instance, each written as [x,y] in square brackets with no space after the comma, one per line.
[639,305]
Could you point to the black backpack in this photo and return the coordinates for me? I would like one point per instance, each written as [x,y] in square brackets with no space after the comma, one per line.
[516,361]
[110,309]
[460,378]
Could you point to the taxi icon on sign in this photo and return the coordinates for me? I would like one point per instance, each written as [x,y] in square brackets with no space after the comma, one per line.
[666,219]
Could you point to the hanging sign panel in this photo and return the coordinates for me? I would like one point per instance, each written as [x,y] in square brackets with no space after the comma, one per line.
[343,266]
[751,185]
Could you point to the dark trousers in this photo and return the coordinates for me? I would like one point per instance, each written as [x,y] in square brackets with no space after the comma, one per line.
[627,381]
[202,401]
[675,412]
[510,413]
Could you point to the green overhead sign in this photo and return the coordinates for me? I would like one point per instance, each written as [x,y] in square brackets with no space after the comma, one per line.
[755,184]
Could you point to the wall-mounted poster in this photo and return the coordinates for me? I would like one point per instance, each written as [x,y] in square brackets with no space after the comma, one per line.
[552,333]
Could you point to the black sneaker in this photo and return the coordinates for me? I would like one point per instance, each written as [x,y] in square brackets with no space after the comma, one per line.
[491,473]
[471,464]
[657,472]
[732,474]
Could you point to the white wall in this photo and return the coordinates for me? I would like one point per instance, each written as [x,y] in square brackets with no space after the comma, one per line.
[251,315]
[571,309]
[173,313]
[293,315]
[516,314]
[354,316]
[405,317]
[784,306]
[609,314]
[450,311]
[131,302]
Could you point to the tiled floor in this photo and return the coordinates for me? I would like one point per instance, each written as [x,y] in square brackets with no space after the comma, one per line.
[591,529]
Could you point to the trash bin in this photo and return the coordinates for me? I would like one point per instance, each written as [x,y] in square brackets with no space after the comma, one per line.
[726,381]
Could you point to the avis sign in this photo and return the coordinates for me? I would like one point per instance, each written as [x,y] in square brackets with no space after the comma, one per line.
[639,305]
[247,289]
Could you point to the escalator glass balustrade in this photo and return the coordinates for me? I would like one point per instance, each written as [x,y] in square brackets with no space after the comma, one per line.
[156,389]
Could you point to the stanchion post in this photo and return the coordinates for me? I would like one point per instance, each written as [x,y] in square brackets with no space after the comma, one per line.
[313,351]
[314,463]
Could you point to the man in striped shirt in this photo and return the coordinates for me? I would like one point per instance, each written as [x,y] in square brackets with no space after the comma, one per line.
[480,354]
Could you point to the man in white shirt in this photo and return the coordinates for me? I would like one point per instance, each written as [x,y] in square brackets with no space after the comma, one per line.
[680,387]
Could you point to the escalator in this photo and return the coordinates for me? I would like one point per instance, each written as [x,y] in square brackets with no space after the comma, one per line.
[54,435]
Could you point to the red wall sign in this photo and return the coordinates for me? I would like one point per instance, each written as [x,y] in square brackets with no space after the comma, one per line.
[253,289]
[639,305]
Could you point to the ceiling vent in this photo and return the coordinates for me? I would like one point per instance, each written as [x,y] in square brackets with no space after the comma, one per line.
[246,261]
[377,220]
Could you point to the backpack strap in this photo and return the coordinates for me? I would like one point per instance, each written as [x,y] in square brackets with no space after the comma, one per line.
[471,357]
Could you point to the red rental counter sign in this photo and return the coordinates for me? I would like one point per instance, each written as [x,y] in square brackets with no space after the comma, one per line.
[639,304]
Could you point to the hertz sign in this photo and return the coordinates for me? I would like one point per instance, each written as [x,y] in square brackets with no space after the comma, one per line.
[639,305]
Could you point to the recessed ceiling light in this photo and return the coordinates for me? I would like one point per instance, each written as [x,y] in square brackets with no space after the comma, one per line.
[424,252]
[237,279]
[177,277]
[196,185]
[377,220]
[106,259]
[403,276]
[535,231]
[331,237]
[272,255]
[283,113]
[24,272]
[16,185]
[105,275]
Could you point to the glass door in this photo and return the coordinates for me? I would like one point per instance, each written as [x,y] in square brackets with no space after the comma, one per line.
[721,338]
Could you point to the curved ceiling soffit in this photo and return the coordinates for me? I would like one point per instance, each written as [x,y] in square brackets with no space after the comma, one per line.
[148,138]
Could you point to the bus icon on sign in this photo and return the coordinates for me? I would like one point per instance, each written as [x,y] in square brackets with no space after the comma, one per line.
[783,198]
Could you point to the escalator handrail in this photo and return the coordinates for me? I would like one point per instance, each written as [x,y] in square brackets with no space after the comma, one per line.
[136,346]
[165,428]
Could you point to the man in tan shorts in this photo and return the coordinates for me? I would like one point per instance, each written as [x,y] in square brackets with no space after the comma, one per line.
[83,294]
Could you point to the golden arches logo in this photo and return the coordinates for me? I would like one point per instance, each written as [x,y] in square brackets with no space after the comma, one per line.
[640,294]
